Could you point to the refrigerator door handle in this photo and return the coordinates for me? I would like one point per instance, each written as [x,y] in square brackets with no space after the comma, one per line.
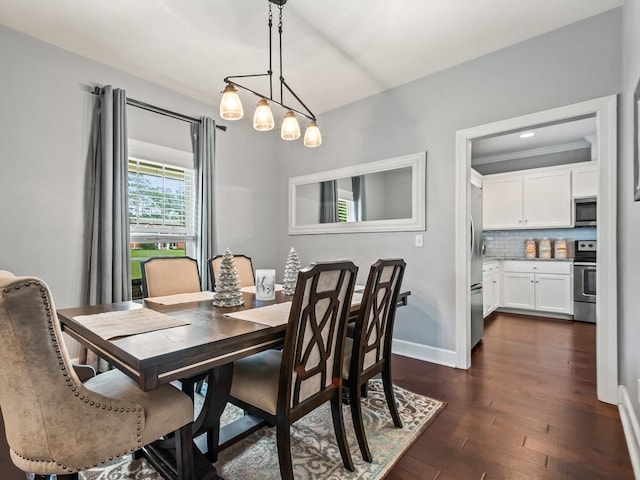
[473,234]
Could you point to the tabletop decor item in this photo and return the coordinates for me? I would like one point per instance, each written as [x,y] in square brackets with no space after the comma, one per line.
[530,248]
[265,284]
[560,248]
[545,248]
[291,270]
[227,292]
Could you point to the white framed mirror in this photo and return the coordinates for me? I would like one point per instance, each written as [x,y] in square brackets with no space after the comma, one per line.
[384,196]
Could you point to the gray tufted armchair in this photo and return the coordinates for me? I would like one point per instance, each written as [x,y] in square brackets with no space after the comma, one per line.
[54,423]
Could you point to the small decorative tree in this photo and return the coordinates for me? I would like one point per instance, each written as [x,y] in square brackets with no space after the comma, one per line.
[227,292]
[291,270]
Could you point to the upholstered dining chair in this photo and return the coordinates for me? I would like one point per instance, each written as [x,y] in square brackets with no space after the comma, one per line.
[169,275]
[282,386]
[368,353]
[54,423]
[243,265]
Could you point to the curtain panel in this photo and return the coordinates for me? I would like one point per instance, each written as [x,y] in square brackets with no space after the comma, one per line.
[204,142]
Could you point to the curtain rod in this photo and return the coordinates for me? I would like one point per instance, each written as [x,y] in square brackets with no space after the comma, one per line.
[161,111]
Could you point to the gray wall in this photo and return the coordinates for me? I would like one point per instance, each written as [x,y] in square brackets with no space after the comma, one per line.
[45,111]
[629,213]
[576,63]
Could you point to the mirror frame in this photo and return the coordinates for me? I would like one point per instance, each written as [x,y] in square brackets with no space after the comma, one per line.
[417,221]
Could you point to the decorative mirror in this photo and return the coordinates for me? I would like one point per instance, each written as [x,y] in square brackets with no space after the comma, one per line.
[384,196]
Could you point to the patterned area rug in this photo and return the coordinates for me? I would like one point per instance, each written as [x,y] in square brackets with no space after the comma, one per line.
[314,449]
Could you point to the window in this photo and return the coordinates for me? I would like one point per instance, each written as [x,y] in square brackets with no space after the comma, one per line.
[346,206]
[161,204]
[346,210]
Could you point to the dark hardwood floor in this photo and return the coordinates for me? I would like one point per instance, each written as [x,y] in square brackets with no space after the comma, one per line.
[526,409]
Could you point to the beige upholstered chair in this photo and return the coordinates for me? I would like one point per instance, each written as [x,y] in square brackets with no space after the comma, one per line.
[282,386]
[169,275]
[368,353]
[243,265]
[54,423]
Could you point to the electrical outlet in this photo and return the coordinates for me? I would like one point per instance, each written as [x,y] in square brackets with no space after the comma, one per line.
[419,240]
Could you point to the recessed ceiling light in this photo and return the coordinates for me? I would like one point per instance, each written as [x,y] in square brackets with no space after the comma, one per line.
[527,134]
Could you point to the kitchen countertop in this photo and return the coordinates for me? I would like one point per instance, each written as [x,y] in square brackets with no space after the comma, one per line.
[490,259]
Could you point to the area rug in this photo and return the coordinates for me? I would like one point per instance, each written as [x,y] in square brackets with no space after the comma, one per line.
[314,450]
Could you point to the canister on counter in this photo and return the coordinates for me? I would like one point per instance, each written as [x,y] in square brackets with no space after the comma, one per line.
[545,248]
[530,248]
[560,248]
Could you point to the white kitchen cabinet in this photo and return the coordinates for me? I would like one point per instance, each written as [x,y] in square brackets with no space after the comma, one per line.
[540,286]
[490,287]
[518,290]
[554,293]
[584,180]
[547,199]
[536,199]
[501,202]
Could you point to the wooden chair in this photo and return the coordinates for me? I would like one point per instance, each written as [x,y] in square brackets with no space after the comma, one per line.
[54,423]
[368,353]
[282,386]
[243,265]
[169,275]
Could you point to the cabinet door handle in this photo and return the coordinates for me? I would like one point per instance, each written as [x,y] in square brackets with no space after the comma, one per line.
[526,221]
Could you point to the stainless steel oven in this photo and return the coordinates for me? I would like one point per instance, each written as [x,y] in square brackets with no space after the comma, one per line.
[584,281]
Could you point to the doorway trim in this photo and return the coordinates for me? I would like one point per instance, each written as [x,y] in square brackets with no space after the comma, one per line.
[605,111]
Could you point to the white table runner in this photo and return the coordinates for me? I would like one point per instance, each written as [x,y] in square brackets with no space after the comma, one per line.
[129,322]
[271,315]
[181,298]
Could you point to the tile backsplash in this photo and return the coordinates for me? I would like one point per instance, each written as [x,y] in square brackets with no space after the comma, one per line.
[510,243]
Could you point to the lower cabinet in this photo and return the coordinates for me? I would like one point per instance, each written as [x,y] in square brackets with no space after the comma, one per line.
[490,288]
[545,286]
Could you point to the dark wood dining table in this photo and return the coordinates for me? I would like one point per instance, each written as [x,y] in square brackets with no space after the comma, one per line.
[207,345]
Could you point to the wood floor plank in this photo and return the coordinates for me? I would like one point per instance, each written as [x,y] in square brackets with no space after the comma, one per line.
[526,409]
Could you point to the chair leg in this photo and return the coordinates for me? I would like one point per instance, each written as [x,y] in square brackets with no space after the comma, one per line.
[199,386]
[391,401]
[358,423]
[69,476]
[184,453]
[364,390]
[283,440]
[213,439]
[338,427]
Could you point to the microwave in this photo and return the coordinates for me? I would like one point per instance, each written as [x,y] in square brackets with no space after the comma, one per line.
[585,212]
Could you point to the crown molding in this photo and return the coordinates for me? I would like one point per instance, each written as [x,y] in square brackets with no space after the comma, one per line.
[533,152]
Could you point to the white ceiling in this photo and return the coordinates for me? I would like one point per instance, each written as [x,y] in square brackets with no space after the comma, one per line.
[335,51]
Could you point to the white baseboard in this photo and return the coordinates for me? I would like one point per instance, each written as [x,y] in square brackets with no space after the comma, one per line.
[631,429]
[424,352]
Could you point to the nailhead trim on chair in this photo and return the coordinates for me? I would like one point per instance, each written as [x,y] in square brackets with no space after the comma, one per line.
[70,383]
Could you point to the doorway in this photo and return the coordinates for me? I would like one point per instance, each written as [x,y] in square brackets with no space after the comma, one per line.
[605,111]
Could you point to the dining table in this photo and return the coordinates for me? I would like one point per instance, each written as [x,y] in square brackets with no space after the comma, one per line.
[186,338]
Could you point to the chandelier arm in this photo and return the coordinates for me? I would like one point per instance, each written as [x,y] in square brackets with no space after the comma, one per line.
[270,71]
[310,115]
[228,79]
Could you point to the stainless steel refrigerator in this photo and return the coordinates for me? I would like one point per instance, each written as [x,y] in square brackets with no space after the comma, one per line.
[477,320]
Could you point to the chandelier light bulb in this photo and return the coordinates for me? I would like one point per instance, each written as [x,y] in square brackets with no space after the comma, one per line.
[290,129]
[230,105]
[312,136]
[263,118]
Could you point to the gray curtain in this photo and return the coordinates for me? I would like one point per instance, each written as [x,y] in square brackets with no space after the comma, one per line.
[203,135]
[109,259]
[359,195]
[329,201]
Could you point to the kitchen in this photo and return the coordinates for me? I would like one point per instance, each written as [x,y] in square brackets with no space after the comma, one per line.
[533,198]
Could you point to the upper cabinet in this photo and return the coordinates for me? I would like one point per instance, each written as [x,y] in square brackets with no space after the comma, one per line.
[539,198]
[585,180]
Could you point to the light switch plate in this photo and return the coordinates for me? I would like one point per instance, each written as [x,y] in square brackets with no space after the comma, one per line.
[419,240]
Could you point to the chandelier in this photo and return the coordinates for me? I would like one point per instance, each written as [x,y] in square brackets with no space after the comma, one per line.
[231,107]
